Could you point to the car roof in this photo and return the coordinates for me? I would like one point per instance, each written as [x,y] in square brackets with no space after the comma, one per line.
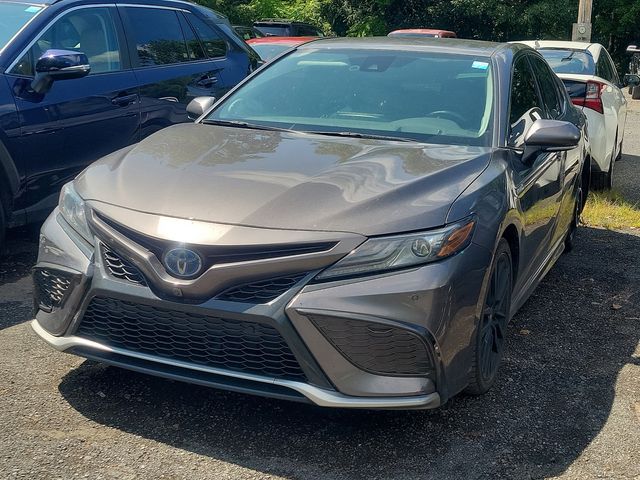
[422,30]
[445,45]
[283,40]
[592,48]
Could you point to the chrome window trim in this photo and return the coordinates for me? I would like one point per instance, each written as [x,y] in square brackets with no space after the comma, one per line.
[42,32]
[44,7]
[154,7]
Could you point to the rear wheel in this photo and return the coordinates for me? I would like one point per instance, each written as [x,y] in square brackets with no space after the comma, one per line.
[603,180]
[635,94]
[491,331]
[3,225]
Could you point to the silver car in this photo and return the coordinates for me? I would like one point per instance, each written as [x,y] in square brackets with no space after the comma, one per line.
[353,226]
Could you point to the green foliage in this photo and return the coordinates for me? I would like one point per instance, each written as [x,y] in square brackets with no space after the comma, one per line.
[616,23]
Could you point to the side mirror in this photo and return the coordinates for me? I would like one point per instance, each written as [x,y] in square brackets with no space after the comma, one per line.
[632,79]
[198,106]
[549,136]
[59,65]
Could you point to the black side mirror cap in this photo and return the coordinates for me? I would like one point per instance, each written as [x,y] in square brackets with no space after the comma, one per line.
[198,106]
[59,65]
[550,136]
[632,79]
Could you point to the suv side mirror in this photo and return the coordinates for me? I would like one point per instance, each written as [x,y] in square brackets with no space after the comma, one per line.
[198,106]
[59,65]
[549,136]
[632,79]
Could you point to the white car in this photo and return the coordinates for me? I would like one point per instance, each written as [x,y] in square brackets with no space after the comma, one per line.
[591,78]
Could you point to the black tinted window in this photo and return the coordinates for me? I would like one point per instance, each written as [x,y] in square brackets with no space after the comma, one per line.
[548,87]
[525,106]
[214,44]
[158,36]
[603,69]
[194,47]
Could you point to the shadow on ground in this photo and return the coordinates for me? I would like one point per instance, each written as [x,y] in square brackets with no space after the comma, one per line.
[554,395]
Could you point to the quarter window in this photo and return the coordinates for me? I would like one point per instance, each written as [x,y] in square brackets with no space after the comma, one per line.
[214,44]
[158,36]
[91,31]
[525,104]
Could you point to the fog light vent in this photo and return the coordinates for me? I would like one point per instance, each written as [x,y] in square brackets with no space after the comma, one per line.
[52,287]
[375,347]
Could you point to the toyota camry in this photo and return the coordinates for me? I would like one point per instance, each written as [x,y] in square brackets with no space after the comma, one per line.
[352,226]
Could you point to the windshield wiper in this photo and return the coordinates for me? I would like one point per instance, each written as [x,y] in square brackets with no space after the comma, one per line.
[363,135]
[241,124]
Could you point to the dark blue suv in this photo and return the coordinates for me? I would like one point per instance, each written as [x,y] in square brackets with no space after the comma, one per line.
[80,79]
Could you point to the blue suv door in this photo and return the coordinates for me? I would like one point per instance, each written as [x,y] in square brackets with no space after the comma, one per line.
[77,121]
[173,64]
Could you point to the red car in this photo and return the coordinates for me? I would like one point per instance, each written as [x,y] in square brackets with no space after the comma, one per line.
[271,47]
[423,32]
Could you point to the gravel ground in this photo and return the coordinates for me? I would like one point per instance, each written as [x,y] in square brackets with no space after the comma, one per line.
[567,403]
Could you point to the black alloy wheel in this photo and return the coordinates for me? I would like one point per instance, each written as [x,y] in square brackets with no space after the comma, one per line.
[492,328]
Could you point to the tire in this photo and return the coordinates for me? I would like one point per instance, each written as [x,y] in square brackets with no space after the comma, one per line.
[489,337]
[602,180]
[635,94]
[3,225]
[570,239]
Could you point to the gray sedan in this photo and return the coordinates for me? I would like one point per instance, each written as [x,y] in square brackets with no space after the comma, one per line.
[352,226]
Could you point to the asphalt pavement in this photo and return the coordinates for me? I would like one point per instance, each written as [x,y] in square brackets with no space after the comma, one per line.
[567,403]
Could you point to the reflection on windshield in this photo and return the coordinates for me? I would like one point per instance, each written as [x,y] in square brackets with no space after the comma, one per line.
[14,16]
[425,96]
[267,52]
[569,61]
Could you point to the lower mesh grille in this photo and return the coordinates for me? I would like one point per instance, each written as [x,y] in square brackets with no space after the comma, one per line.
[261,292]
[121,269]
[51,288]
[375,347]
[211,341]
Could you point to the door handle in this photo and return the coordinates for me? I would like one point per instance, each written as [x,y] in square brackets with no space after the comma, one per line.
[125,100]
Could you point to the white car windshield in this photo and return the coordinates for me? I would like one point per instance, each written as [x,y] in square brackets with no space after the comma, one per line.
[415,95]
[569,61]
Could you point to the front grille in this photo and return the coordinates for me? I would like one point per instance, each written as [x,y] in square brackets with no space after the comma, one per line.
[236,345]
[51,288]
[120,268]
[262,291]
[375,347]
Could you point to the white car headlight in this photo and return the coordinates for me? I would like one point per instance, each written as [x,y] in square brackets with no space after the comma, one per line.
[72,209]
[380,254]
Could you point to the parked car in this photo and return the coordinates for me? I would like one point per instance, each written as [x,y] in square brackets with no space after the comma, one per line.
[287,28]
[423,32]
[81,80]
[270,47]
[591,78]
[352,226]
[634,69]
[247,33]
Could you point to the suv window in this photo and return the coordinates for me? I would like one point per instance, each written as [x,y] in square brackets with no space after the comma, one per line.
[525,104]
[214,44]
[615,79]
[548,87]
[158,36]
[91,31]
[308,31]
[194,47]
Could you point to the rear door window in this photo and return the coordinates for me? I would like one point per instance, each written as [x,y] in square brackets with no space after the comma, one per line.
[214,44]
[158,36]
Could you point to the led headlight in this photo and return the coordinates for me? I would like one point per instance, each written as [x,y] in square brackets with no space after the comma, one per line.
[377,255]
[72,209]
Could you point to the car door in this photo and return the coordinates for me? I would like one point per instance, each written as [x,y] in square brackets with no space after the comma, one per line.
[77,121]
[172,64]
[613,102]
[538,181]
[556,103]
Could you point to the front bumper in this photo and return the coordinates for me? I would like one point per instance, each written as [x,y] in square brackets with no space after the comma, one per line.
[436,304]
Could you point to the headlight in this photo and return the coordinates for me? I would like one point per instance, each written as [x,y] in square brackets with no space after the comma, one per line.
[401,251]
[72,208]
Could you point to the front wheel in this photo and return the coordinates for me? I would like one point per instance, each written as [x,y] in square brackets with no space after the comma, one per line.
[570,240]
[489,338]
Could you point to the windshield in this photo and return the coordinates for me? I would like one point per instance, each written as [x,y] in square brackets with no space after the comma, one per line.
[424,96]
[14,16]
[268,51]
[569,61]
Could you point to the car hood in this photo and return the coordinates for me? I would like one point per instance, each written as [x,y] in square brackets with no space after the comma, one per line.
[285,180]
